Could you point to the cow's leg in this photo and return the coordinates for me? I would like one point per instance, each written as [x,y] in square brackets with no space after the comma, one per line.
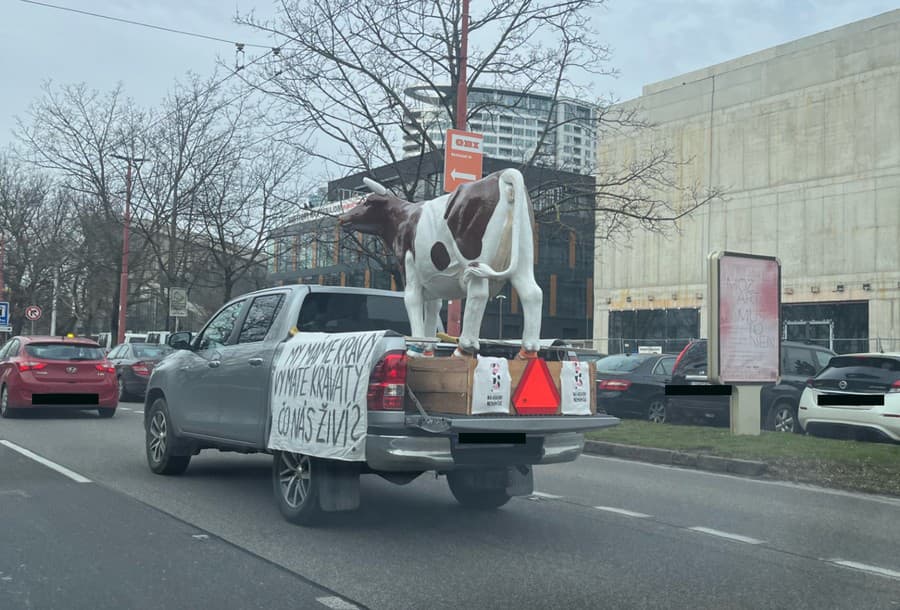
[532,299]
[415,306]
[477,294]
[432,311]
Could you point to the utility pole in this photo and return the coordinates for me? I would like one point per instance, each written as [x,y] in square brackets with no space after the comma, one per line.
[53,304]
[126,230]
[454,308]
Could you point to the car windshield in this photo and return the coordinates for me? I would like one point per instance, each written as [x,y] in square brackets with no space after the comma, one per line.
[151,351]
[64,351]
[621,363]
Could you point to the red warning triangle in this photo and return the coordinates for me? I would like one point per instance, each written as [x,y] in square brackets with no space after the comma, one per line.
[536,393]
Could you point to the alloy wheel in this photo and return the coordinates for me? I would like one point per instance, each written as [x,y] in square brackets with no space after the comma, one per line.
[158,433]
[656,413]
[784,419]
[294,478]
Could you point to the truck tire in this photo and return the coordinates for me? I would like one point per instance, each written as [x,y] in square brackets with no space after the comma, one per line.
[295,480]
[474,496]
[161,443]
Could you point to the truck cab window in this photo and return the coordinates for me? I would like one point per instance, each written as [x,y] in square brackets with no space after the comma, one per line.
[219,330]
[260,317]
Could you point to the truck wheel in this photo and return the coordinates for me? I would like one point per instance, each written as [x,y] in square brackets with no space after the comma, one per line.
[296,479]
[161,442]
[478,497]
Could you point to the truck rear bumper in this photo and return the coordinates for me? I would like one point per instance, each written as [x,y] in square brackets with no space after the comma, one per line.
[402,453]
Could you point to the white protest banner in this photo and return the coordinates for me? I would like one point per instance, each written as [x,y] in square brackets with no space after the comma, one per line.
[575,379]
[319,385]
[491,386]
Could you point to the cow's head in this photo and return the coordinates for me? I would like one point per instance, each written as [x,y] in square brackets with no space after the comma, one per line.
[374,213]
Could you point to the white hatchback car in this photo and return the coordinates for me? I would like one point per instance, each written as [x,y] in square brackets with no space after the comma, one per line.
[859,391]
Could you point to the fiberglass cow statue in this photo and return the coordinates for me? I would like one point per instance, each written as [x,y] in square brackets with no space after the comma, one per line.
[466,244]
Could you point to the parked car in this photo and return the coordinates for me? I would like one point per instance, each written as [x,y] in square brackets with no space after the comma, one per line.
[56,372]
[134,363]
[778,402]
[859,393]
[634,384]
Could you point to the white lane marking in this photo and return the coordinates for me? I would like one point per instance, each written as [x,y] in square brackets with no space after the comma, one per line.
[540,494]
[866,568]
[42,460]
[141,412]
[124,409]
[337,603]
[726,535]
[750,480]
[622,511]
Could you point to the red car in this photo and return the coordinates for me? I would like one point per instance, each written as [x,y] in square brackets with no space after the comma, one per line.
[56,372]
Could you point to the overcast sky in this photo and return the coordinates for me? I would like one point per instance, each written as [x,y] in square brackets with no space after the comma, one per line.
[651,40]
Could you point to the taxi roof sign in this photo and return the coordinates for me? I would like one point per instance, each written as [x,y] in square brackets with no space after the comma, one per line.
[536,393]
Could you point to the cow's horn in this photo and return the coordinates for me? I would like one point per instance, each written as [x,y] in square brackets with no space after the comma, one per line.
[375,187]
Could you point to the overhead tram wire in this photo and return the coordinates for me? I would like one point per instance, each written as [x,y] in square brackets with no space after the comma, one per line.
[239,46]
[145,25]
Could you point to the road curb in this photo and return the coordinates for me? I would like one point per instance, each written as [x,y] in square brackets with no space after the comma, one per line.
[655,455]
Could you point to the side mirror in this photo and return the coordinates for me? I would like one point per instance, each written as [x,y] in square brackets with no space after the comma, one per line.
[180,340]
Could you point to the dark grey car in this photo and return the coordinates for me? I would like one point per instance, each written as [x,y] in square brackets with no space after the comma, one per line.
[778,401]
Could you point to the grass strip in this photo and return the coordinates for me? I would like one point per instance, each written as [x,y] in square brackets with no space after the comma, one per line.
[858,466]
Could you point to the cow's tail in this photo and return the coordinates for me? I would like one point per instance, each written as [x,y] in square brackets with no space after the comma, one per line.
[512,189]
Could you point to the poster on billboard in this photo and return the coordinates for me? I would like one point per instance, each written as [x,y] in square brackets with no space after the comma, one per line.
[745,318]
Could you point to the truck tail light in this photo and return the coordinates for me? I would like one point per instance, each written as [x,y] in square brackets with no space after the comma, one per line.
[614,385]
[31,366]
[141,368]
[387,385]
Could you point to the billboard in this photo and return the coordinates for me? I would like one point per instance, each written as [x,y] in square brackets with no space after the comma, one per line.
[744,318]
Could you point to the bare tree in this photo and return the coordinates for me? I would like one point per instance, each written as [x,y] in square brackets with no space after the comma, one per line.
[72,132]
[346,70]
[252,196]
[34,221]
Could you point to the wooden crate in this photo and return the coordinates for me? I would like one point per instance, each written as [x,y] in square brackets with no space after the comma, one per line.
[444,385]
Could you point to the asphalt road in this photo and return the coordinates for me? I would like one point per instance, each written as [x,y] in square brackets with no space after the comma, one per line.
[600,533]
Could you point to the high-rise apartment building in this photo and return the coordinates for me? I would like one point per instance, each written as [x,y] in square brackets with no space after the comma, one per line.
[514,124]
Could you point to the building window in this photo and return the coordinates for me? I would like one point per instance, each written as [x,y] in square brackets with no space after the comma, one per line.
[670,329]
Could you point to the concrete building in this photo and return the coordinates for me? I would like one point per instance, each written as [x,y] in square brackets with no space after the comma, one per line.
[512,123]
[805,138]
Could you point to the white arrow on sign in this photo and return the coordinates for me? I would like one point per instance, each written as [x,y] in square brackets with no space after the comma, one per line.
[461,176]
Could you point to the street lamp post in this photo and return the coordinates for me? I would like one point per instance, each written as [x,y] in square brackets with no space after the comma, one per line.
[500,299]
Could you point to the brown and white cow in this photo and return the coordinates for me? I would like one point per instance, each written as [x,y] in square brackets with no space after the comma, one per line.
[467,244]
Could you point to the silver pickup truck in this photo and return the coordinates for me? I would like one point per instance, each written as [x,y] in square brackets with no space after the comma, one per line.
[213,393]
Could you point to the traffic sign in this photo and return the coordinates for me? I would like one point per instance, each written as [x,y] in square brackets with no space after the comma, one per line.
[178,303]
[4,314]
[33,313]
[536,393]
[5,329]
[463,158]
